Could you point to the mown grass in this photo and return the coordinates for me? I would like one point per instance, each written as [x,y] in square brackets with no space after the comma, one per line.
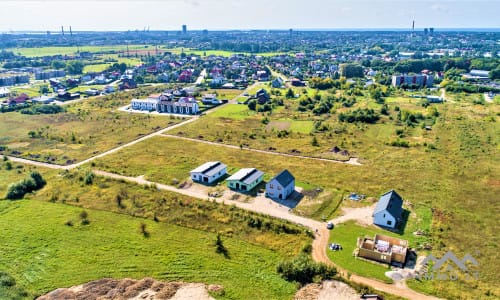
[88,127]
[346,235]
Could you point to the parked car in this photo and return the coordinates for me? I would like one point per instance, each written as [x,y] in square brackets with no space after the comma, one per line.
[329,225]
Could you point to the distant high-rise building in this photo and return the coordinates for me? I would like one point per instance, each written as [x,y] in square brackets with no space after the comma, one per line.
[291,32]
[184,29]
[431,30]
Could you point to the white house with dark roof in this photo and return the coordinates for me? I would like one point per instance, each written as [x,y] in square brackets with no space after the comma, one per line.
[389,210]
[281,186]
[245,179]
[209,172]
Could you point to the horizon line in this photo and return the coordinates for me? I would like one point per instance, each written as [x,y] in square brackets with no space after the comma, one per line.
[56,31]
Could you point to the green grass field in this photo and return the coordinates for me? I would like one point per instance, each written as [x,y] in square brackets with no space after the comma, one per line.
[95,68]
[48,51]
[231,111]
[44,253]
[88,127]
[449,173]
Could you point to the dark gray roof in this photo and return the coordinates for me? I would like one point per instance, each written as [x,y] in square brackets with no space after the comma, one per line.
[284,178]
[392,202]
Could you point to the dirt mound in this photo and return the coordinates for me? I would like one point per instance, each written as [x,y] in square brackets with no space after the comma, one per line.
[327,290]
[130,289]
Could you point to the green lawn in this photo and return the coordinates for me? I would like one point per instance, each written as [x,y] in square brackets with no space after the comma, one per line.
[44,253]
[95,68]
[346,235]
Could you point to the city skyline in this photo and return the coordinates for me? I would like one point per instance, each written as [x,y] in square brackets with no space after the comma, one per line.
[122,15]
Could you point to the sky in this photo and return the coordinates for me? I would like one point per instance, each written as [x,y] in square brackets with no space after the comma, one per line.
[110,15]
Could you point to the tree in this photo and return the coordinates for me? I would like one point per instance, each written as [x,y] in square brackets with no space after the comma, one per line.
[303,269]
[314,142]
[495,74]
[74,67]
[84,217]
[219,246]
[351,70]
[289,93]
[38,179]
[57,64]
[252,104]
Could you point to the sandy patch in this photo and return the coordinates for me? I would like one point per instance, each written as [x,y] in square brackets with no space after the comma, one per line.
[327,290]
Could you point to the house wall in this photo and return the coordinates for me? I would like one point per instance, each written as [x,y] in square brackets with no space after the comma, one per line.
[365,253]
[381,218]
[274,189]
[199,176]
[232,184]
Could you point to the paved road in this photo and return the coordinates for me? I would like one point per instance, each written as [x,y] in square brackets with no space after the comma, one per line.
[351,161]
[202,76]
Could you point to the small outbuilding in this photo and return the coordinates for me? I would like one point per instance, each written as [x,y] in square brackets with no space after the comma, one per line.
[281,186]
[389,210]
[209,172]
[245,179]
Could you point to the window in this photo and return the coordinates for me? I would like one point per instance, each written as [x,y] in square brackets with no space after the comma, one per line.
[389,222]
[384,215]
[271,186]
[279,188]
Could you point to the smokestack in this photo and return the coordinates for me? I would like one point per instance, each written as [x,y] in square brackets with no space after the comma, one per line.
[62,30]
[70,32]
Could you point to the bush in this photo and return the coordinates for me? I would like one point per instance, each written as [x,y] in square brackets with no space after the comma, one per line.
[363,115]
[17,190]
[42,109]
[89,178]
[303,269]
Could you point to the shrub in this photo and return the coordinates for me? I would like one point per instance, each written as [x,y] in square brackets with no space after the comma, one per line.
[39,181]
[84,217]
[89,178]
[219,246]
[303,269]
[143,229]
[19,189]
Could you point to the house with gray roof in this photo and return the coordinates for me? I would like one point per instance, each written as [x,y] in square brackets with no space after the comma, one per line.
[281,186]
[389,210]
[209,172]
[245,179]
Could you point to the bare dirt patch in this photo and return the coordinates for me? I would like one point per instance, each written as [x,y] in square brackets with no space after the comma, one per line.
[278,125]
[130,289]
[327,290]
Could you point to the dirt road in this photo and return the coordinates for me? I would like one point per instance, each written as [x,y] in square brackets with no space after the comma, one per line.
[351,161]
